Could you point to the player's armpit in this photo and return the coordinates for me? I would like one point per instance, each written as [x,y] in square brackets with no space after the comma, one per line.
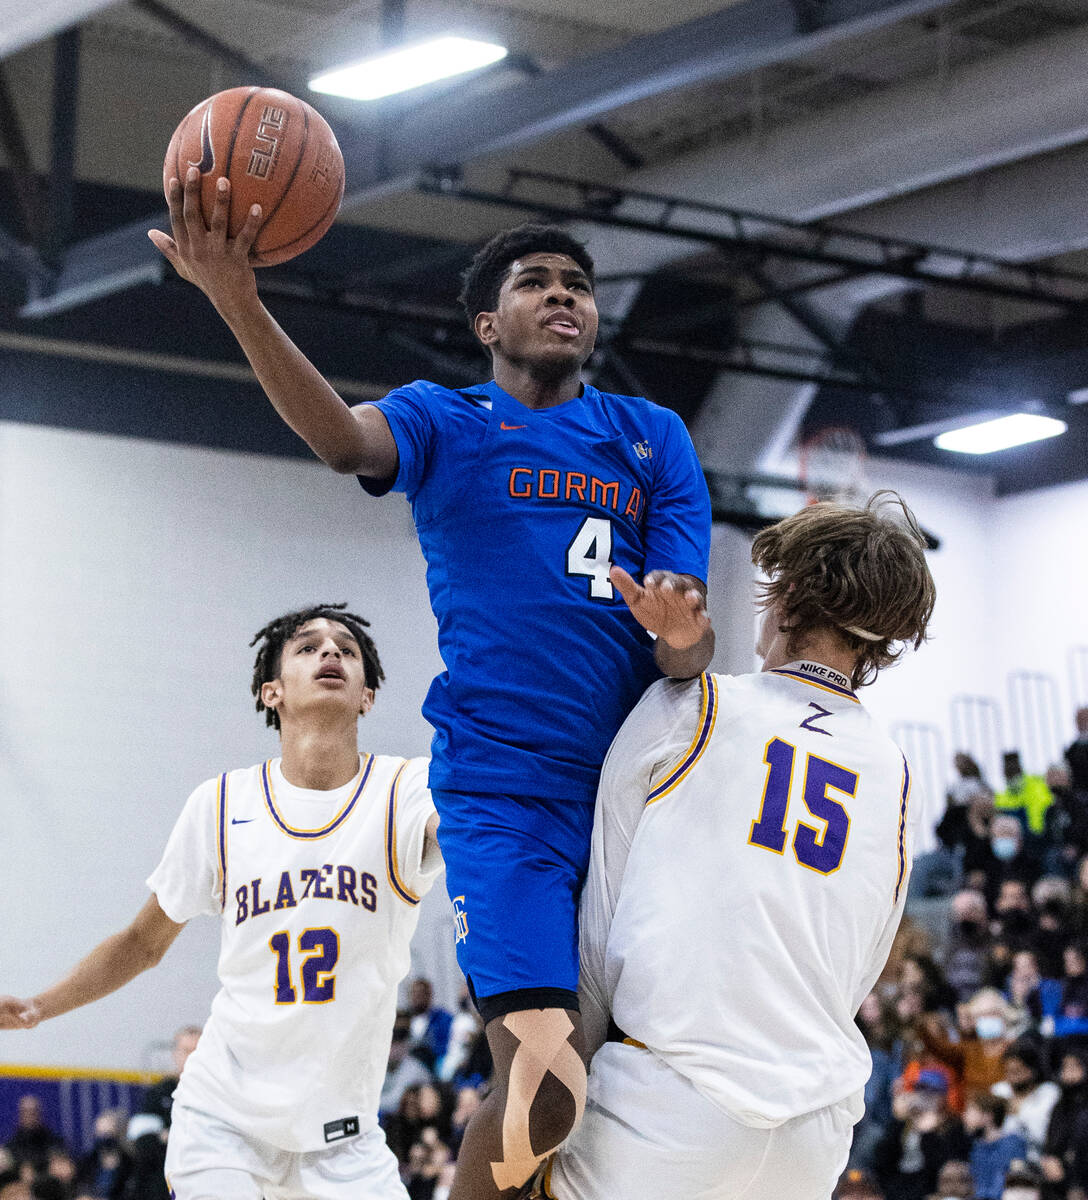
[431,853]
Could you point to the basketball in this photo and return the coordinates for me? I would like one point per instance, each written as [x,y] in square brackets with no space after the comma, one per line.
[277,151]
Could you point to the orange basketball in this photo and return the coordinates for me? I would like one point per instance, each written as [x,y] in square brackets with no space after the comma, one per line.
[277,152]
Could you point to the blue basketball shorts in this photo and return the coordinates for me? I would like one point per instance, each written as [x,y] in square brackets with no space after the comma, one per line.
[515,866]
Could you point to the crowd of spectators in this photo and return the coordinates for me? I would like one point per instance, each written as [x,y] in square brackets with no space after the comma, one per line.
[438,1069]
[35,1163]
[978,1026]
[124,1162]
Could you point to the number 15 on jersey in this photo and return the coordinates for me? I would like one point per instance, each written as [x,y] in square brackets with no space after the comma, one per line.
[819,849]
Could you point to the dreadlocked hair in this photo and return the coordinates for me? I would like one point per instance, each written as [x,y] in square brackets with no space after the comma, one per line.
[861,571]
[275,635]
[483,278]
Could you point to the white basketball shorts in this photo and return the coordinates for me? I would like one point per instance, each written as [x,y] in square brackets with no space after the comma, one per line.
[207,1159]
[648,1132]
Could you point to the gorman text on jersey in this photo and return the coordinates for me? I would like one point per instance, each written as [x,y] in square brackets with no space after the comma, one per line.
[546,483]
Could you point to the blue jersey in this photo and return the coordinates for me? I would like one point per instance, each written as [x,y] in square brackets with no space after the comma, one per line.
[520,514]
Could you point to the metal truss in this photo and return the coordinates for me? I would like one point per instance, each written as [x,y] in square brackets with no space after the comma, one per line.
[454,344]
[757,239]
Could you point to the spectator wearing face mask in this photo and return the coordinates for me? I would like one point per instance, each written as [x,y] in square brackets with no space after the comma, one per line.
[1031,1097]
[967,952]
[984,1034]
[1051,898]
[965,830]
[1010,887]
[992,1150]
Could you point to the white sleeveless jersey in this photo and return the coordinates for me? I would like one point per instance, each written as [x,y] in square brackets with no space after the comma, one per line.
[750,858]
[318,894]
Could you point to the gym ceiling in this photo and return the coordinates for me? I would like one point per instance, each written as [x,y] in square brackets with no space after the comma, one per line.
[804,212]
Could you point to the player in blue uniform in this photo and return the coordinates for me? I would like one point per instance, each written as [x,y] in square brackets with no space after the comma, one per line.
[539,503]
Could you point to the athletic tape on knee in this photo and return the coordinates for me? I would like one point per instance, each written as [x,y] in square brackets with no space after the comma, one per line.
[542,1034]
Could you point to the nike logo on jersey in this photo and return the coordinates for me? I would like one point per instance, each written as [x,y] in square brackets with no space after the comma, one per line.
[243,821]
[503,425]
[818,715]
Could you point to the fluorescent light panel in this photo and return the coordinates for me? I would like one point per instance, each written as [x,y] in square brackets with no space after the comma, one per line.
[1000,434]
[407,67]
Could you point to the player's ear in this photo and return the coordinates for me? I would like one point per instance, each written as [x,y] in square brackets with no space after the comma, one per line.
[484,327]
[368,701]
[271,693]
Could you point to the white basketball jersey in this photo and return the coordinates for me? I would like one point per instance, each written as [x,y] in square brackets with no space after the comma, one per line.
[750,858]
[318,897]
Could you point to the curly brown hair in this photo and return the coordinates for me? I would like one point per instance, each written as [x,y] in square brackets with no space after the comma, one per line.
[860,571]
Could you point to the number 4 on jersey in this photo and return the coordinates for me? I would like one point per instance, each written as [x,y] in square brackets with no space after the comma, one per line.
[590,554]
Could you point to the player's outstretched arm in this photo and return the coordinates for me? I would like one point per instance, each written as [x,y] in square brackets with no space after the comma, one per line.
[352,441]
[673,607]
[110,965]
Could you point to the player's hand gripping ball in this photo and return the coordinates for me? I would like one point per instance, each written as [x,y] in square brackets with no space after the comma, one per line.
[277,151]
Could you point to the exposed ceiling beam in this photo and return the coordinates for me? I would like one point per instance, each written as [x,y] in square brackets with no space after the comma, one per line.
[724,44]
[254,72]
[733,41]
[899,140]
[756,237]
[987,153]
[22,24]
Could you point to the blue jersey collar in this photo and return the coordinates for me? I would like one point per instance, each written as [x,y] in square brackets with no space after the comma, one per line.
[495,394]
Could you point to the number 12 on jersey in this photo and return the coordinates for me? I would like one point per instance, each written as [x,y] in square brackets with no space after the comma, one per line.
[318,980]
[820,850]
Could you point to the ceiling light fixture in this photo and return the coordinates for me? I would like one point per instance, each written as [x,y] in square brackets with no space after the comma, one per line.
[407,67]
[986,437]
